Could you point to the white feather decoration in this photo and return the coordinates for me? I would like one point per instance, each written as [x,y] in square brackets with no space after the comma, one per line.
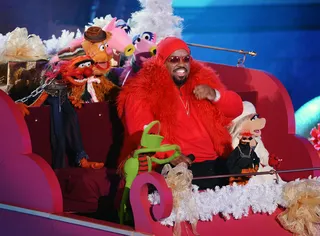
[156,16]
[232,201]
[55,44]
[100,21]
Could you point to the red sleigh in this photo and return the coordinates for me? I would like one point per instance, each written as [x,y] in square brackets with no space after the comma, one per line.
[35,200]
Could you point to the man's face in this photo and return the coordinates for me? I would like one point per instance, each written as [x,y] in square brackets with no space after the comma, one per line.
[178,65]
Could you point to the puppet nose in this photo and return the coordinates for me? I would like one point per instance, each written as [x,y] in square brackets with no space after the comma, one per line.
[129,50]
[153,50]
[87,72]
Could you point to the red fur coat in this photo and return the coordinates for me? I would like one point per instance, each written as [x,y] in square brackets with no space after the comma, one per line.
[152,93]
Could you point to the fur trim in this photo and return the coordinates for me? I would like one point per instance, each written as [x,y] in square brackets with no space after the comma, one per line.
[144,87]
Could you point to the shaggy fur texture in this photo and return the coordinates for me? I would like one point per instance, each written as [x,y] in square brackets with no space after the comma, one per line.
[153,88]
[105,90]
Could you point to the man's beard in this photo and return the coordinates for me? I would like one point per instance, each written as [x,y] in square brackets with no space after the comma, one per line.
[179,82]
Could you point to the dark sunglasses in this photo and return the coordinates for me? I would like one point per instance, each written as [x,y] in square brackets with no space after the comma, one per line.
[177,59]
[250,138]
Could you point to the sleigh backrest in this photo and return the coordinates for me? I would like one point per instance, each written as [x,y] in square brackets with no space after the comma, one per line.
[26,178]
[95,125]
[272,101]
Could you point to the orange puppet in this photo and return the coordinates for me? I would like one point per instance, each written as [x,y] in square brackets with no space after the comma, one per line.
[64,76]
[98,87]
[94,45]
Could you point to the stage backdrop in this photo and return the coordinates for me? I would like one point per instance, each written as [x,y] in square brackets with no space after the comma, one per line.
[285,33]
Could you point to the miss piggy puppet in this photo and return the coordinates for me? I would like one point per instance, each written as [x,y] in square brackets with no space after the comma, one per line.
[246,133]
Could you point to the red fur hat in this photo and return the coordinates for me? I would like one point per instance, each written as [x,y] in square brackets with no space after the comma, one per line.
[169,45]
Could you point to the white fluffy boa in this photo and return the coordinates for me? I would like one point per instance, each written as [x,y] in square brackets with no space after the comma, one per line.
[231,201]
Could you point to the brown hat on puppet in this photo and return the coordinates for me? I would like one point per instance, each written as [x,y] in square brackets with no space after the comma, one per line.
[95,34]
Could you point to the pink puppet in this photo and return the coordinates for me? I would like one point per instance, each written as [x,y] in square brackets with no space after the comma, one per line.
[120,40]
[146,42]
[146,47]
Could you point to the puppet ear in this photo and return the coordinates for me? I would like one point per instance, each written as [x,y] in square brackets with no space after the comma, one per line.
[111,25]
[165,170]
[182,165]
[109,35]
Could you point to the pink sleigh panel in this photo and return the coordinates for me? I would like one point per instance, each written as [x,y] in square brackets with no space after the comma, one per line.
[26,179]
[146,217]
[272,101]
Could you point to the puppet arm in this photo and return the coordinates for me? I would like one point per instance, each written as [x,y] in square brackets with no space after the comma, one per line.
[23,108]
[137,116]
[76,102]
[40,100]
[232,166]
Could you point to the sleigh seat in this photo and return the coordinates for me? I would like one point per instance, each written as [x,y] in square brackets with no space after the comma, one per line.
[81,188]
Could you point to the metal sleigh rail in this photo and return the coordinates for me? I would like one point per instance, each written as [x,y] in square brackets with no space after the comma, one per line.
[271,172]
[241,61]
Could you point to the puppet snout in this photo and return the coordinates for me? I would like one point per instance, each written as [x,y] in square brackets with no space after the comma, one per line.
[261,123]
[87,72]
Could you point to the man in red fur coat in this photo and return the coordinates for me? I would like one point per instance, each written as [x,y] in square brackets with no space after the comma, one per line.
[191,104]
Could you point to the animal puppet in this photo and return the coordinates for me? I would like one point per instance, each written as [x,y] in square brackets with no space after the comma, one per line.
[179,180]
[249,124]
[243,159]
[66,130]
[95,45]
[120,42]
[146,47]
[302,214]
[98,88]
[142,160]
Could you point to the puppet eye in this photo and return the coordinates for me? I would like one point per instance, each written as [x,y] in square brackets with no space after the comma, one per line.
[136,40]
[88,64]
[106,45]
[82,65]
[256,116]
[147,36]
[102,47]
[126,28]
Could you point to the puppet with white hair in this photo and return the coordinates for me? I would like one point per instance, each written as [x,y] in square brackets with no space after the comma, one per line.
[250,124]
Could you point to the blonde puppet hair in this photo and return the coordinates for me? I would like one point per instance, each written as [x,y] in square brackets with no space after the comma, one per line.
[236,125]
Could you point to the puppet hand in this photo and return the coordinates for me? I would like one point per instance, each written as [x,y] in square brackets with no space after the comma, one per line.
[246,171]
[253,143]
[204,92]
[181,158]
[274,161]
[76,102]
[23,108]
